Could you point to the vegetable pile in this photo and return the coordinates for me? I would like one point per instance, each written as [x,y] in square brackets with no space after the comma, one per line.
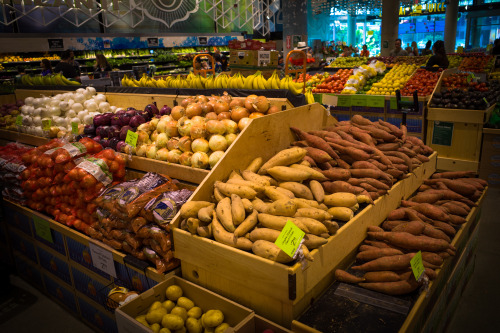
[11,166]
[317,183]
[134,216]
[427,222]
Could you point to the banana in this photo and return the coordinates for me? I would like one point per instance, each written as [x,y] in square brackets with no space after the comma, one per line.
[199,83]
[261,82]
[58,80]
[209,83]
[249,81]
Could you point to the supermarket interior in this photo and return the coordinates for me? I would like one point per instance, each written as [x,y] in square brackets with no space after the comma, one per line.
[249,166]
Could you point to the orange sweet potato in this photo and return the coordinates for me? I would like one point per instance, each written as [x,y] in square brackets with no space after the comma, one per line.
[389,225]
[364,165]
[314,141]
[392,288]
[431,211]
[378,253]
[380,245]
[430,231]
[318,155]
[445,227]
[370,173]
[455,209]
[413,227]
[343,164]
[337,174]
[423,197]
[431,274]
[374,228]
[373,182]
[368,187]
[390,146]
[360,120]
[456,220]
[365,247]
[432,258]
[389,263]
[397,214]
[381,276]
[379,165]
[411,242]
[393,128]
[454,174]
[455,185]
[341,186]
[343,276]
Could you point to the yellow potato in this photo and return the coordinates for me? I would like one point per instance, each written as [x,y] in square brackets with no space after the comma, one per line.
[172,322]
[193,325]
[270,251]
[341,213]
[212,318]
[340,199]
[284,173]
[195,312]
[299,190]
[185,303]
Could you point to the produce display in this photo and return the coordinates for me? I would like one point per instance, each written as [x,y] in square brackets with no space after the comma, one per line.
[427,222]
[423,81]
[477,62]
[222,81]
[175,313]
[11,166]
[47,80]
[321,181]
[418,61]
[395,79]
[454,60]
[333,83]
[458,91]
[388,61]
[347,62]
[360,76]
[60,111]
[369,83]
[8,114]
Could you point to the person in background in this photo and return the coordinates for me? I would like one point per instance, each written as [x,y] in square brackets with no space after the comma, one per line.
[46,67]
[73,62]
[66,67]
[346,51]
[217,60]
[496,47]
[427,50]
[364,51]
[101,65]
[20,72]
[439,58]
[398,51]
[414,49]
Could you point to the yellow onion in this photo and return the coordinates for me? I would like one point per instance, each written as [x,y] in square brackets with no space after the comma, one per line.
[221,106]
[198,130]
[206,108]
[254,115]
[215,127]
[185,143]
[193,109]
[224,115]
[201,98]
[230,138]
[199,160]
[162,154]
[178,112]
[239,112]
[273,109]
[173,156]
[186,101]
[173,143]
[214,158]
[211,116]
[243,123]
[237,102]
[261,104]
[185,158]
[249,101]
[200,144]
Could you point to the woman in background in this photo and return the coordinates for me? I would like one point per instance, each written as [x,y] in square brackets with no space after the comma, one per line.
[364,51]
[46,67]
[427,50]
[439,59]
[414,48]
[101,64]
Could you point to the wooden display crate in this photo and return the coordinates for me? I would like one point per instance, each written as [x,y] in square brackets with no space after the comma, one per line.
[10,98]
[139,101]
[276,291]
[455,134]
[490,157]
[23,93]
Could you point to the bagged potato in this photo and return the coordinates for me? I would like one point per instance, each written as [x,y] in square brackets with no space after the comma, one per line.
[165,206]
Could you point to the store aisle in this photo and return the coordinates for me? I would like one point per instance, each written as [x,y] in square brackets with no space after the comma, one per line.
[478,308]
[44,316]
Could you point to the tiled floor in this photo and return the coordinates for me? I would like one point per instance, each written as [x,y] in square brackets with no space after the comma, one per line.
[477,311]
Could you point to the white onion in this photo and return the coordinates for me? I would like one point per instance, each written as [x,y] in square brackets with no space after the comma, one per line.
[37,102]
[99,98]
[92,107]
[104,107]
[45,113]
[81,115]
[54,102]
[75,120]
[79,98]
[87,95]
[112,108]
[87,120]
[29,100]
[54,111]
[64,106]
[24,109]
[77,107]
[70,114]
[46,100]
[91,90]
[37,121]
[80,90]
[71,102]
[38,131]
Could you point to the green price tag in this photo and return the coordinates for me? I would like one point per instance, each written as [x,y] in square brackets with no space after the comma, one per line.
[290,238]
[19,120]
[46,123]
[358,100]
[42,229]
[344,100]
[417,266]
[318,98]
[375,101]
[74,127]
[131,138]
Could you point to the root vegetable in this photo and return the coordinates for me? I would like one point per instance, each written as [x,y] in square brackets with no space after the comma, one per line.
[455,209]
[237,209]
[389,225]
[331,226]
[273,194]
[313,242]
[318,155]
[343,276]
[374,228]
[286,192]
[423,197]
[191,208]
[270,251]
[378,253]
[430,231]
[432,258]
[364,165]
[336,174]
[381,276]
[341,213]
[247,225]
[255,186]
[454,174]
[341,186]
[315,227]
[255,165]
[456,220]
[431,211]
[315,174]
[391,263]
[288,174]
[279,222]
[317,190]
[299,190]
[313,213]
[315,141]
[413,227]
[411,242]
[223,212]
[253,177]
[340,199]
[284,157]
[370,173]
[222,236]
[242,191]
[267,234]
[205,214]
[205,231]
[392,288]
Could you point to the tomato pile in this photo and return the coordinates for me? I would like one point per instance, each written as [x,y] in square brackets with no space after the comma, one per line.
[423,81]
[63,179]
[476,63]
[459,80]
[333,83]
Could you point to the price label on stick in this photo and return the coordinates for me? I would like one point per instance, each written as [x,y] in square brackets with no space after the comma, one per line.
[74,127]
[417,266]
[19,120]
[131,138]
[46,123]
[290,238]
[102,259]
[42,229]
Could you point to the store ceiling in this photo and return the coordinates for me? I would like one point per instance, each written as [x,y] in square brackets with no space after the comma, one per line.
[357,6]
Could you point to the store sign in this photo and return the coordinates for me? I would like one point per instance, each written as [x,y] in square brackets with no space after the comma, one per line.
[422,9]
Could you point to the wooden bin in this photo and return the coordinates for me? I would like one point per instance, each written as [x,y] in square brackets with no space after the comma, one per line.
[276,291]
[139,101]
[23,93]
[455,134]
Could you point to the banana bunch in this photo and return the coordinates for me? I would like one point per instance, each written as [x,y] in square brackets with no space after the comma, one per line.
[288,83]
[274,81]
[255,81]
[47,80]
[237,81]
[129,82]
[195,81]
[309,96]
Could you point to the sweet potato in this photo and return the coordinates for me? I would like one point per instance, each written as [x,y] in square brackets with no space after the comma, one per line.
[455,185]
[379,133]
[362,136]
[431,211]
[364,165]
[444,255]
[237,209]
[253,177]
[284,157]
[337,174]
[365,247]
[341,186]
[429,265]
[422,158]
[331,226]
[286,192]
[401,167]
[355,153]
[247,204]
[390,263]
[313,213]
[222,236]
[396,160]
[247,225]
[299,190]
[318,155]
[447,194]
[191,208]
[273,194]
[313,241]
[282,207]
[379,165]
[397,214]
[205,231]
[368,187]
[381,245]
[456,220]
[255,186]
[381,276]
[314,141]
[340,199]
[242,191]
[435,233]
[455,209]
[267,234]
[224,215]
[235,175]
[393,128]
[284,173]
[378,253]
[454,174]
[278,222]
[255,165]
[389,225]
[315,227]
[315,174]
[411,242]
[310,160]
[360,120]
[343,276]
[423,197]
[317,190]
[432,258]
[403,156]
[270,251]
[205,214]
[373,182]
[445,227]
[374,228]
[370,173]
[431,274]
[413,227]
[395,173]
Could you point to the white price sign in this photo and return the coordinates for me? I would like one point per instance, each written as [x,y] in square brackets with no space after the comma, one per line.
[102,259]
[264,58]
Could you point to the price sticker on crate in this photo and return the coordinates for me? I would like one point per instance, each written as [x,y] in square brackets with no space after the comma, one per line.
[42,229]
[102,259]
[417,266]
[290,238]
[19,120]
[46,124]
[131,138]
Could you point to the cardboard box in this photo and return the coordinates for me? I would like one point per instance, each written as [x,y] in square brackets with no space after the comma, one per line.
[80,253]
[256,323]
[23,244]
[17,219]
[96,316]
[132,279]
[234,313]
[90,284]
[57,241]
[53,263]
[28,271]
[60,293]
[489,168]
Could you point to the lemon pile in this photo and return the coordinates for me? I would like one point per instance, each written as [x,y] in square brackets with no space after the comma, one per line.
[356,82]
[394,80]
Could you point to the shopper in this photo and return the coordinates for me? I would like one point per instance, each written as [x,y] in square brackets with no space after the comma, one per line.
[101,65]
[439,58]
[46,67]
[73,62]
[398,51]
[346,52]
[364,51]
[20,72]
[496,47]
[414,49]
[66,67]
[427,50]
